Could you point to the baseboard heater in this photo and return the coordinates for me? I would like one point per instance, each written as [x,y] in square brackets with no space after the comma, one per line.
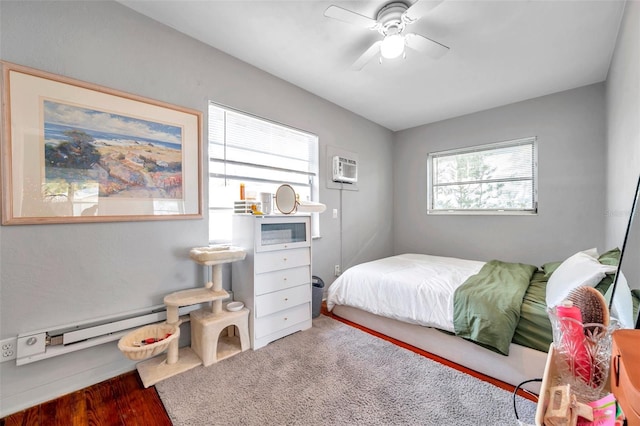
[43,344]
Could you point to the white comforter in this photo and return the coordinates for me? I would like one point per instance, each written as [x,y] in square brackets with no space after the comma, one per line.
[413,288]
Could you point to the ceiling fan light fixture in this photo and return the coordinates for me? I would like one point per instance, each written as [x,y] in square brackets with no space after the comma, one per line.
[392,46]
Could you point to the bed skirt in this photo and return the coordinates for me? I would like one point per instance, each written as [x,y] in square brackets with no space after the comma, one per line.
[521,364]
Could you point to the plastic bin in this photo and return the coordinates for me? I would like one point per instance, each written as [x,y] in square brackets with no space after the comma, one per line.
[317,293]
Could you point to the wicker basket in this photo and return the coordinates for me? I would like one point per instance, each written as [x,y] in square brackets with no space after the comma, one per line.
[157,331]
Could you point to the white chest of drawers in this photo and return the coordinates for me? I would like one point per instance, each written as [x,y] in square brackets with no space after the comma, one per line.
[274,279]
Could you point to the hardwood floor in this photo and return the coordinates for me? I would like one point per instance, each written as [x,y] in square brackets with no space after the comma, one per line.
[123,400]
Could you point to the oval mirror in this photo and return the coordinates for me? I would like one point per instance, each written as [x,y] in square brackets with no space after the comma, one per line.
[286,199]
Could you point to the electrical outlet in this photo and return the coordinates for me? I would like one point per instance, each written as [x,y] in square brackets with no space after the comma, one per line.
[336,270]
[8,348]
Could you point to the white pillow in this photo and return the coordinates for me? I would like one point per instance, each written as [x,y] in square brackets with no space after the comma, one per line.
[593,252]
[622,306]
[580,269]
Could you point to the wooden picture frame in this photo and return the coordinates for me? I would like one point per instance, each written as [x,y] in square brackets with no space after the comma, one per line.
[78,152]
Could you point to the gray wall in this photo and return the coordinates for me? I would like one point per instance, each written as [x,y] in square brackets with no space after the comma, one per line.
[623,134]
[57,274]
[571,132]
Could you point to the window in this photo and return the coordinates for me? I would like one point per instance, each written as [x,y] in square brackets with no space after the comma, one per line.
[495,178]
[261,154]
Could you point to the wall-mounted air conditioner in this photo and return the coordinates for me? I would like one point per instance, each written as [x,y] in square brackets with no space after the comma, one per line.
[345,169]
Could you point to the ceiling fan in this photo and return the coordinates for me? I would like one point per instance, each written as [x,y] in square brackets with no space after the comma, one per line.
[390,22]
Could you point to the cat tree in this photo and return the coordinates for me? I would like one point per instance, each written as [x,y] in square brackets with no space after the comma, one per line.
[216,333]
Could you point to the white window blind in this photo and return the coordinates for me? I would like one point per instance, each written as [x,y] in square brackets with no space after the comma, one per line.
[260,154]
[494,178]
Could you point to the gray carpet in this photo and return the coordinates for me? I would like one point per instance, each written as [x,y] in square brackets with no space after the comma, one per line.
[334,374]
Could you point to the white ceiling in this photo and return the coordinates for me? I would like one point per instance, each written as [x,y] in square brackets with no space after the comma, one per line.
[500,51]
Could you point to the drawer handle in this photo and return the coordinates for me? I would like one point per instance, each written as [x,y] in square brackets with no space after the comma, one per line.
[286,299]
[285,259]
[285,318]
[285,278]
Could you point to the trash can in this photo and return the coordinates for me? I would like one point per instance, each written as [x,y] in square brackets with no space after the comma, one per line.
[317,292]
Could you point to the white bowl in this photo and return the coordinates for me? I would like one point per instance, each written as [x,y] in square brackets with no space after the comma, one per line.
[234,306]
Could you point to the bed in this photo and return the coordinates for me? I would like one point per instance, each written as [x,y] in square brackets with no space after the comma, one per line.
[490,317]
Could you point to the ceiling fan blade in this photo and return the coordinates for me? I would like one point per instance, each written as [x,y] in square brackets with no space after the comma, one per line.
[420,8]
[372,51]
[425,45]
[349,17]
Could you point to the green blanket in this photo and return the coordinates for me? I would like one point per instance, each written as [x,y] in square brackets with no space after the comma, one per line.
[534,328]
[486,307]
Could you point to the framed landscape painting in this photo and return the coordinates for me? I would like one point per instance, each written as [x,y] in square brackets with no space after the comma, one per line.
[78,152]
